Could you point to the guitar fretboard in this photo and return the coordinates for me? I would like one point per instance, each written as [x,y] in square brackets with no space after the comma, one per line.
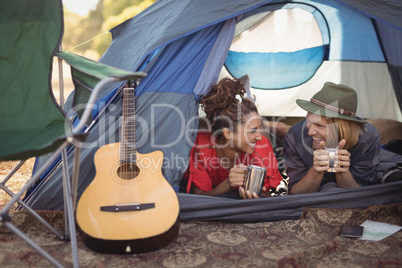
[127,144]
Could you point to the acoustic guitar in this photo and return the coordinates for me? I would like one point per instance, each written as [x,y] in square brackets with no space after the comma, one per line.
[129,207]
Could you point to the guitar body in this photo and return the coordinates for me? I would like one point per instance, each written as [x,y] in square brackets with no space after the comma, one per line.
[125,214]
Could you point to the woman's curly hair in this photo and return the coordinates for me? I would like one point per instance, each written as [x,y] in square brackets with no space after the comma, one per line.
[226,107]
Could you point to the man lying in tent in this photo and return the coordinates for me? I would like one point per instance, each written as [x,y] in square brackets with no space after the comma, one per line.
[218,159]
[331,122]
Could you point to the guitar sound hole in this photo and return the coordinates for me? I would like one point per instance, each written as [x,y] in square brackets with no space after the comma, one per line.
[128,171]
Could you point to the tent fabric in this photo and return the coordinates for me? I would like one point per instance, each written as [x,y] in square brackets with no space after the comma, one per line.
[260,14]
[166,29]
[386,14]
[387,11]
[389,35]
[340,26]
[177,25]
[173,57]
[214,63]
[170,34]
[289,207]
[354,74]
[353,39]
[87,73]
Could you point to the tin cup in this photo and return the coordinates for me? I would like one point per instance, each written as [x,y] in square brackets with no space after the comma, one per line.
[255,178]
[333,159]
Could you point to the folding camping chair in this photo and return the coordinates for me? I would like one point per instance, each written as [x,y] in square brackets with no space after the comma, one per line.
[31,121]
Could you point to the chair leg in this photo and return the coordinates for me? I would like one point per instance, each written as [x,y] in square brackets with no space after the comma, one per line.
[66,176]
[5,218]
[35,214]
[12,172]
[69,208]
[76,171]
[71,224]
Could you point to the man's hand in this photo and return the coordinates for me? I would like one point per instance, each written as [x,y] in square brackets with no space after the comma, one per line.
[321,159]
[343,158]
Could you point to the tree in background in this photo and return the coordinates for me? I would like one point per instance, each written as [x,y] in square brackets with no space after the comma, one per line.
[106,15]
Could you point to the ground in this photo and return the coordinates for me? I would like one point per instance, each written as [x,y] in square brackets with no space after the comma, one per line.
[18,180]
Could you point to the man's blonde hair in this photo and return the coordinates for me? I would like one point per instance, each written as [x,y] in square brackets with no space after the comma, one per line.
[339,129]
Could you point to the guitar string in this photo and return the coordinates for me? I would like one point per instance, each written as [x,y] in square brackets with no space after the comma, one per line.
[128,150]
[131,128]
[129,132]
[125,133]
[132,133]
[122,137]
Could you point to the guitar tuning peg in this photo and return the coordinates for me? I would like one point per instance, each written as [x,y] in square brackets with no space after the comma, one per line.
[128,249]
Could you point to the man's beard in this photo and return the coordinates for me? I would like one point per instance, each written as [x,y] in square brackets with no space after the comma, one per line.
[315,146]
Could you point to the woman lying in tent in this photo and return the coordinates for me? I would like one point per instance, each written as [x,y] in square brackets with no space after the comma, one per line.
[220,155]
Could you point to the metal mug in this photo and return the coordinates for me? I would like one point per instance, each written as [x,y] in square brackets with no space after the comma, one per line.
[333,159]
[255,178]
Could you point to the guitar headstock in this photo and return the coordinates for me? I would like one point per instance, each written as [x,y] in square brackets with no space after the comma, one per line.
[131,84]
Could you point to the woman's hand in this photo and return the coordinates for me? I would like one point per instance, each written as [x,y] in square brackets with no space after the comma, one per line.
[248,195]
[237,175]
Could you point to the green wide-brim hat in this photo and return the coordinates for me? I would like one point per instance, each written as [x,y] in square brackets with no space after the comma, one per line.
[333,100]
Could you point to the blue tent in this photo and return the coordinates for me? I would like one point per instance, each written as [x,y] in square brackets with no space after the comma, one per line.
[185,46]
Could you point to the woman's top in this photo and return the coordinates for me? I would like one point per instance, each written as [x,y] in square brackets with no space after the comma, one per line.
[205,170]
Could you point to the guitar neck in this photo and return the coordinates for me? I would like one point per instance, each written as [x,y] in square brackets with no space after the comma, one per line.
[128,145]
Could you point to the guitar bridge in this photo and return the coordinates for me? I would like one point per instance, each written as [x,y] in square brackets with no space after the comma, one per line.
[127,207]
